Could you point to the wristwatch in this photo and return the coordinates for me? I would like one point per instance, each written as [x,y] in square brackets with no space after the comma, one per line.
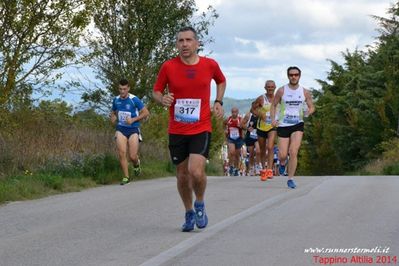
[221,102]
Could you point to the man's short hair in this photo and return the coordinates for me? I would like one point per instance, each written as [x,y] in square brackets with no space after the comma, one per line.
[188,28]
[293,68]
[270,81]
[123,82]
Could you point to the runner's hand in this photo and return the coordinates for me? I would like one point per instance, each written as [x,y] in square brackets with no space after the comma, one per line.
[113,118]
[218,110]
[130,120]
[167,99]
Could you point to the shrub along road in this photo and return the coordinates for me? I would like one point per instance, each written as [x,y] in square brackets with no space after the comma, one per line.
[250,223]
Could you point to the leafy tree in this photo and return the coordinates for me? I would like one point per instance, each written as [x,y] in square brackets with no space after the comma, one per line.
[385,60]
[358,107]
[133,38]
[91,119]
[38,39]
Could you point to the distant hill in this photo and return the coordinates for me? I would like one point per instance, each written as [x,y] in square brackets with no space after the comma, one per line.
[242,105]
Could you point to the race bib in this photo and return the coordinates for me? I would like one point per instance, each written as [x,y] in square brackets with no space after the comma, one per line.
[268,118]
[291,116]
[123,116]
[253,134]
[234,133]
[187,110]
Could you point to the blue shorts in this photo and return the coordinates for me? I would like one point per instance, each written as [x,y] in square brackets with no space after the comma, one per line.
[237,142]
[128,131]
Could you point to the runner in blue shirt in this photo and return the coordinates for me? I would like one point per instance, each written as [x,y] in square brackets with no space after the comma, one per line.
[127,111]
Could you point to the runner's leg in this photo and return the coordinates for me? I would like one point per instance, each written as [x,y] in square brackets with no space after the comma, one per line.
[232,150]
[271,136]
[121,145]
[283,144]
[184,184]
[134,148]
[251,150]
[262,147]
[196,169]
[295,144]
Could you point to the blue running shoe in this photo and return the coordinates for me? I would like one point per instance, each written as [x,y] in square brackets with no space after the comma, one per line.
[281,169]
[190,221]
[236,172]
[291,183]
[231,170]
[201,219]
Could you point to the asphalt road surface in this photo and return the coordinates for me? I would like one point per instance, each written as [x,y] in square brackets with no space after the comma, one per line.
[337,220]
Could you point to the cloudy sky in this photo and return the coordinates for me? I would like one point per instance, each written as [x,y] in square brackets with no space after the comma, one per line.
[256,40]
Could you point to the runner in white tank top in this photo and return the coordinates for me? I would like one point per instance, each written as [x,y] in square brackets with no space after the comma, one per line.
[291,108]
[292,98]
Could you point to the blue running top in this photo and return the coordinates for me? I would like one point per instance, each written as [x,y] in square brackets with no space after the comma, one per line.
[127,107]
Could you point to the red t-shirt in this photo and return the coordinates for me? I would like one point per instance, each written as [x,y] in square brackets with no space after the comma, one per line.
[190,113]
[234,131]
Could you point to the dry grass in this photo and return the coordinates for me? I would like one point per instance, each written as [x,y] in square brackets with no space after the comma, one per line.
[388,164]
[40,157]
[34,140]
[33,147]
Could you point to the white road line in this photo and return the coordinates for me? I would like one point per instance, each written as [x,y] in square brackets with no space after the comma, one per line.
[211,231]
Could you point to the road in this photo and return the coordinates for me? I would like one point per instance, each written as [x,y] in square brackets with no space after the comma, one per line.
[250,223]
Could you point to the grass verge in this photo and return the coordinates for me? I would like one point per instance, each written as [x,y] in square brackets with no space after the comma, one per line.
[74,176]
[81,173]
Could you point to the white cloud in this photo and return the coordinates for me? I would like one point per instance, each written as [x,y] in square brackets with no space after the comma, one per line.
[242,41]
[257,40]
[203,4]
[318,13]
[308,51]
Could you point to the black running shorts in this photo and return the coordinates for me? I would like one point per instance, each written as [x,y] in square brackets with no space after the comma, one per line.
[285,132]
[264,134]
[180,146]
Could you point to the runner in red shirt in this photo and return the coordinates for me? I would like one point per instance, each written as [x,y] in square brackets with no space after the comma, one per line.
[188,79]
[234,139]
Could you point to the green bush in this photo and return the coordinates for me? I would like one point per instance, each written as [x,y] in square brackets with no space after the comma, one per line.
[214,167]
[25,187]
[51,181]
[392,169]
[103,168]
[7,192]
[63,167]
[387,163]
